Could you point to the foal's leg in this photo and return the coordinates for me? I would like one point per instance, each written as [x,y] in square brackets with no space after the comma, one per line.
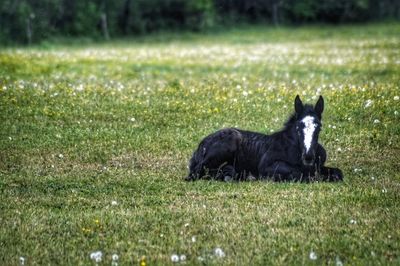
[216,154]
[331,174]
[226,173]
[206,161]
[281,171]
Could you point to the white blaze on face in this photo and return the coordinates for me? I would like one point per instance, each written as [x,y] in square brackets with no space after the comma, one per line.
[308,130]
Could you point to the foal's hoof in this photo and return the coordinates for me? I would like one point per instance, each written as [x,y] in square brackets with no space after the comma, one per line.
[228,178]
[189,178]
[251,178]
[336,176]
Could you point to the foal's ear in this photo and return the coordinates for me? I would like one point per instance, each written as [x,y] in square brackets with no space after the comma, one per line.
[298,105]
[319,106]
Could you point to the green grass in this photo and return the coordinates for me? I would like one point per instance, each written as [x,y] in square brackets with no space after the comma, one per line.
[95,140]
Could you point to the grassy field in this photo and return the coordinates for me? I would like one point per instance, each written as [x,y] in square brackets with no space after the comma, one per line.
[95,140]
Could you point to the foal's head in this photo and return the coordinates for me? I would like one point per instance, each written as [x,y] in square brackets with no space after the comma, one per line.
[308,126]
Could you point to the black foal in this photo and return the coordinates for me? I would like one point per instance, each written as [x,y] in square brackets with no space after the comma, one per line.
[292,154]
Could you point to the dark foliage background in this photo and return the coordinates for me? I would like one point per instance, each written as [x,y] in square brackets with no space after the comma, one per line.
[26,21]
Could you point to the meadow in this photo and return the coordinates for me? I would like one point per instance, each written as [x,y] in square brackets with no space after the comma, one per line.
[95,141]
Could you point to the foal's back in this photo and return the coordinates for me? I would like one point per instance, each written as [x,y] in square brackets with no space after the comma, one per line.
[240,149]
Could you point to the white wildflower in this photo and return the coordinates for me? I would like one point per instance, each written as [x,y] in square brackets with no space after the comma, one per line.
[174,258]
[193,239]
[356,170]
[376,121]
[384,190]
[219,253]
[22,260]
[60,156]
[132,119]
[245,93]
[313,255]
[80,87]
[186,224]
[352,221]
[396,112]
[114,203]
[182,257]
[368,103]
[396,98]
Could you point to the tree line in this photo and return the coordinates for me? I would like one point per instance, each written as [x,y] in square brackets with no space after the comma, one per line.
[28,21]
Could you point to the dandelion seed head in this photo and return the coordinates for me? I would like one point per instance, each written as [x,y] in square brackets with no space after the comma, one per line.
[219,252]
[174,258]
[96,256]
[338,262]
[313,255]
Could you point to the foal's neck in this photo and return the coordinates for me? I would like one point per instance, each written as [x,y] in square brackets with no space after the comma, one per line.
[291,134]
